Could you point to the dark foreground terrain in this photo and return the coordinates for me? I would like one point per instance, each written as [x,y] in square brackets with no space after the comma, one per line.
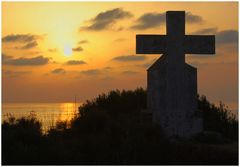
[113,129]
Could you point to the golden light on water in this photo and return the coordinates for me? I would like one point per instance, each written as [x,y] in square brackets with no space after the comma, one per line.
[67,105]
[68,111]
[47,113]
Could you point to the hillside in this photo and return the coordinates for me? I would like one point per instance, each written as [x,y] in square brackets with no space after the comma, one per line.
[113,129]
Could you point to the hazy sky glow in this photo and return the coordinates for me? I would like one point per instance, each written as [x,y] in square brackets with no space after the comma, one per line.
[52,51]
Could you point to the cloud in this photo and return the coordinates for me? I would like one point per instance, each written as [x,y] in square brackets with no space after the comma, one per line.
[83,42]
[152,20]
[128,72]
[204,64]
[77,49]
[120,28]
[29,40]
[75,62]
[222,37]
[34,61]
[149,20]
[25,38]
[29,45]
[91,72]
[191,18]
[14,74]
[107,68]
[203,56]
[206,31]
[107,79]
[95,72]
[129,58]
[106,19]
[34,52]
[58,71]
[145,65]
[227,37]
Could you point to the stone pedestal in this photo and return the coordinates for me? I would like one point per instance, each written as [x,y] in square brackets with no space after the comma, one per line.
[172,98]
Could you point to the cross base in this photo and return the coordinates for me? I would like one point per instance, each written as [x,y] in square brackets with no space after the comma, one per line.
[172,98]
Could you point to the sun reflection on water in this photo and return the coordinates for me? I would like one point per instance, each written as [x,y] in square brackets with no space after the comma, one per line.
[68,111]
[47,113]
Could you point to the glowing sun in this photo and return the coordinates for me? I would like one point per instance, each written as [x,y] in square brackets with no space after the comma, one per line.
[67,51]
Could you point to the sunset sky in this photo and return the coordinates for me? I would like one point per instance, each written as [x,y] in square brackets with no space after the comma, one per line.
[52,51]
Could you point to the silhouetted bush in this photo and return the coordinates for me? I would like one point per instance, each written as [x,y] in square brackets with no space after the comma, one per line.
[211,137]
[218,119]
[117,102]
[20,139]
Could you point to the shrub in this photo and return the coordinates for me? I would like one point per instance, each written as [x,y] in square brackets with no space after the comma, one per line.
[218,119]
[20,139]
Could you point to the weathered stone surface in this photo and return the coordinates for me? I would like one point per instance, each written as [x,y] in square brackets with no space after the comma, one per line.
[172,98]
[172,84]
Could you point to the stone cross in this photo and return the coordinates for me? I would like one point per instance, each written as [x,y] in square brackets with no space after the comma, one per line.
[172,84]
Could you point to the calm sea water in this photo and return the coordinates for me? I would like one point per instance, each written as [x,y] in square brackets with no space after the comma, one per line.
[47,113]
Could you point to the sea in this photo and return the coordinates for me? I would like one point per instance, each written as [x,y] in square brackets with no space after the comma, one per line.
[47,113]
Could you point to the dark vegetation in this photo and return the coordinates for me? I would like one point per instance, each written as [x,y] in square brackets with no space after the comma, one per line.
[218,119]
[114,129]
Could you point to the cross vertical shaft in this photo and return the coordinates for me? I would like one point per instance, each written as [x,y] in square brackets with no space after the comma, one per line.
[175,40]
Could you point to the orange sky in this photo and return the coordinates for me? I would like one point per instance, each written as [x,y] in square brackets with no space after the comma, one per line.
[52,51]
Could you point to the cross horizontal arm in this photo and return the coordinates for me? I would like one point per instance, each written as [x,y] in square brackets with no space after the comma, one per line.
[199,44]
[150,44]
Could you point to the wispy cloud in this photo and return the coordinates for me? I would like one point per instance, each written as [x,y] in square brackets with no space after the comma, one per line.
[107,68]
[204,64]
[149,20]
[129,58]
[192,18]
[152,20]
[104,72]
[34,61]
[129,72]
[77,49]
[91,72]
[222,37]
[75,62]
[15,74]
[58,71]
[20,38]
[83,42]
[105,20]
[29,41]
[227,37]
[204,31]
[145,65]
[29,45]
